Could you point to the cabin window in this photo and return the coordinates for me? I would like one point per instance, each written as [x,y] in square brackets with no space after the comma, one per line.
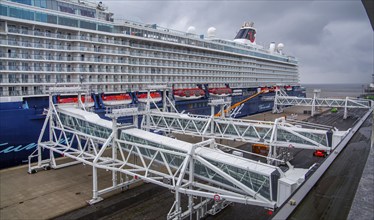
[25,78]
[48,78]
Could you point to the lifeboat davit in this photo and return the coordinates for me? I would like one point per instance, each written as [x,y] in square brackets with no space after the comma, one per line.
[220,92]
[288,88]
[74,101]
[154,95]
[119,99]
[188,94]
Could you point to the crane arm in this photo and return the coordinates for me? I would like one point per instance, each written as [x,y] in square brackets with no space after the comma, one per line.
[239,103]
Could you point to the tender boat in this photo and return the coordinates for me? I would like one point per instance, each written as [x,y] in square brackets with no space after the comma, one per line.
[74,101]
[154,95]
[120,99]
[220,92]
[188,94]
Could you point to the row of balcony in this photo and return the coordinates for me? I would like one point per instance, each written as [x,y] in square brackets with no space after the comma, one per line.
[138,54]
[110,61]
[92,71]
[91,37]
[66,36]
[122,42]
[135,79]
[136,71]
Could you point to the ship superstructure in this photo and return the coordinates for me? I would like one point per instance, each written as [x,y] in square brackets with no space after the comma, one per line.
[68,42]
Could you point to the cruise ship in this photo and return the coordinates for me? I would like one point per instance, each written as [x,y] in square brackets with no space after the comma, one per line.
[47,43]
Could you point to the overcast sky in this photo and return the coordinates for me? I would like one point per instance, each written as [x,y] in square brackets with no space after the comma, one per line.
[333,40]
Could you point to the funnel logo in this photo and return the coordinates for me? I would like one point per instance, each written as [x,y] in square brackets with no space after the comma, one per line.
[252,35]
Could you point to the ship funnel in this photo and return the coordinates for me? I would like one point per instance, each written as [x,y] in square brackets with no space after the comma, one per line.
[272,47]
[211,32]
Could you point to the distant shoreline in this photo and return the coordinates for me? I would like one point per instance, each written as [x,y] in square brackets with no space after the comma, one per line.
[337,90]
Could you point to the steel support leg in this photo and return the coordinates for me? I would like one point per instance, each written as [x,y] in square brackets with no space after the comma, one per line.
[345,113]
[191,179]
[178,210]
[148,109]
[52,163]
[114,150]
[164,105]
[212,121]
[135,120]
[345,109]
[275,106]
[95,194]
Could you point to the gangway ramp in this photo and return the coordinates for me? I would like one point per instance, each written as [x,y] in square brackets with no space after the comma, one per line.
[279,133]
[196,170]
[283,99]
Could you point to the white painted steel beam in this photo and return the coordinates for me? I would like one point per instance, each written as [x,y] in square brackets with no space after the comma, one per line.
[93,156]
[153,164]
[287,135]
[85,138]
[282,99]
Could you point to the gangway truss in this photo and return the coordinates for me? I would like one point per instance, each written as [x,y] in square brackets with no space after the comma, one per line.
[283,99]
[196,170]
[279,133]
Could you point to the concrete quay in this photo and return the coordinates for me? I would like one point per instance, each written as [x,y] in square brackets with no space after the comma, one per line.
[46,194]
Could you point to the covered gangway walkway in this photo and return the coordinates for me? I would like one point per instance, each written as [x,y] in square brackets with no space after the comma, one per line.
[199,170]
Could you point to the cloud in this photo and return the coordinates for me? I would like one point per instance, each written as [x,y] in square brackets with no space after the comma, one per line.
[332,39]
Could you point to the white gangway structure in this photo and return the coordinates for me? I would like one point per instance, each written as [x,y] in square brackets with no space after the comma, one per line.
[277,134]
[209,177]
[283,99]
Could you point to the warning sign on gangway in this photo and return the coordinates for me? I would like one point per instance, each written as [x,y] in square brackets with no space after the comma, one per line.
[216,197]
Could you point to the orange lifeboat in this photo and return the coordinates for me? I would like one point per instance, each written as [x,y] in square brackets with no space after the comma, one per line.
[220,92]
[120,99]
[188,94]
[154,95]
[74,101]
[288,88]
[274,88]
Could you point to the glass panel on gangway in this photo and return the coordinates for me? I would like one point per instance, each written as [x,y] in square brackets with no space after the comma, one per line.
[255,175]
